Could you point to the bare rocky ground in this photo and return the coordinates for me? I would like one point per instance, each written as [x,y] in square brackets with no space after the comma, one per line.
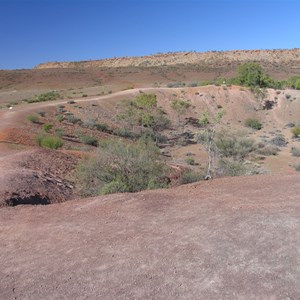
[231,238]
[35,177]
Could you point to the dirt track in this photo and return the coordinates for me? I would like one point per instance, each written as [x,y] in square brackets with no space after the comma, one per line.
[232,238]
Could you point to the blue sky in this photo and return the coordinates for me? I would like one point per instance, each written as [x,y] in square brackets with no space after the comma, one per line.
[35,31]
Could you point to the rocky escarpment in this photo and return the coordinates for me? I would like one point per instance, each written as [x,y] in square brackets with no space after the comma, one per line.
[288,57]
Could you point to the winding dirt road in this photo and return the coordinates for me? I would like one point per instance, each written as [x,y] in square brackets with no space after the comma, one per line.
[9,116]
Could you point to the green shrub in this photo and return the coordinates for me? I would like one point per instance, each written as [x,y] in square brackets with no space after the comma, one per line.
[204,119]
[190,161]
[296,131]
[60,118]
[122,167]
[253,123]
[297,84]
[72,119]
[190,176]
[59,132]
[49,96]
[193,84]
[52,142]
[89,140]
[84,95]
[231,168]
[235,145]
[123,132]
[90,124]
[101,127]
[176,84]
[33,118]
[251,75]
[205,82]
[47,127]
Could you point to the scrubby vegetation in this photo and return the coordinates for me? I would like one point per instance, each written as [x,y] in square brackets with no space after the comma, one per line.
[33,119]
[253,123]
[296,131]
[234,145]
[190,176]
[228,167]
[122,167]
[134,162]
[52,95]
[89,140]
[253,76]
[52,142]
[47,127]
[176,84]
[295,151]
[144,113]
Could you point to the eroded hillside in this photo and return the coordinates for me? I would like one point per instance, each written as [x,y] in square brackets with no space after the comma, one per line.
[216,58]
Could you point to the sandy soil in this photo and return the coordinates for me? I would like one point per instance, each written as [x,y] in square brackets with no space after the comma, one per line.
[233,238]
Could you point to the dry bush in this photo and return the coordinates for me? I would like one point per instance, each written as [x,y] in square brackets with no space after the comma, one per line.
[122,167]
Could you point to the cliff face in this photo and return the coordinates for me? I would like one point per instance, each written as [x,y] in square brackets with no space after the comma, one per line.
[288,57]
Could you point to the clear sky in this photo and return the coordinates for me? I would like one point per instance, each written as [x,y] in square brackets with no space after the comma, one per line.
[35,31]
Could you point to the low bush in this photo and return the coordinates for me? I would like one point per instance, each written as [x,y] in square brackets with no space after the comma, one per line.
[123,132]
[52,142]
[296,131]
[231,168]
[42,113]
[101,127]
[47,127]
[204,83]
[59,132]
[295,151]
[204,119]
[297,167]
[176,84]
[90,124]
[234,144]
[290,124]
[122,167]
[60,118]
[267,150]
[279,140]
[193,84]
[72,119]
[33,118]
[253,123]
[49,96]
[89,140]
[190,161]
[190,176]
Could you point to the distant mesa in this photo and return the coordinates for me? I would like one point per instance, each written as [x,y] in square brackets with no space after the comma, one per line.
[177,58]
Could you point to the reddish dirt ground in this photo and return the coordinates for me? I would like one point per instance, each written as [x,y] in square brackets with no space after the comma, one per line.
[231,238]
